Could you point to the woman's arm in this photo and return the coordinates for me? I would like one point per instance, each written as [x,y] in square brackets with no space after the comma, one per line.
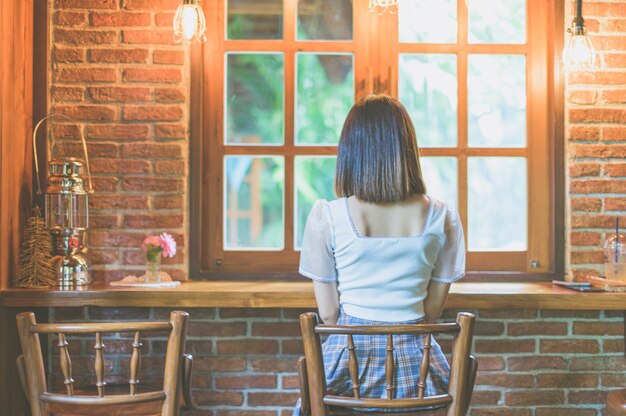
[317,260]
[449,267]
[435,300]
[327,299]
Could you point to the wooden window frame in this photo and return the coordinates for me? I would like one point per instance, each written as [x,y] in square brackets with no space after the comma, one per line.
[545,118]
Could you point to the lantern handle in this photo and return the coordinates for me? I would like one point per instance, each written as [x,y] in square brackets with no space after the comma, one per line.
[82,137]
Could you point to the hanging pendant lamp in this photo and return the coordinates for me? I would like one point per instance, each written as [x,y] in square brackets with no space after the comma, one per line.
[189,22]
[578,53]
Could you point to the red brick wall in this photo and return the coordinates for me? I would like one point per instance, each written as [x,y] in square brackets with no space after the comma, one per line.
[542,363]
[596,138]
[115,70]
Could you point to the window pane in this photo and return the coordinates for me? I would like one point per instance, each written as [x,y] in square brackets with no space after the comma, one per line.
[315,178]
[324,19]
[253,19]
[441,177]
[325,94]
[428,90]
[253,200]
[497,100]
[254,98]
[497,21]
[497,201]
[427,21]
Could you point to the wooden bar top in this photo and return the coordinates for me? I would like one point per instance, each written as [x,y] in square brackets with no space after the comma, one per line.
[200,294]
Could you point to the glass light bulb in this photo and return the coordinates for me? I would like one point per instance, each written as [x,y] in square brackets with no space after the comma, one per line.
[189,22]
[579,53]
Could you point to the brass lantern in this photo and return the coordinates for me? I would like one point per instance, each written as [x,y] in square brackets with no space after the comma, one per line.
[67,215]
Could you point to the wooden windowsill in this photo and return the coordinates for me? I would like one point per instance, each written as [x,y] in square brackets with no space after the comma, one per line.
[300,295]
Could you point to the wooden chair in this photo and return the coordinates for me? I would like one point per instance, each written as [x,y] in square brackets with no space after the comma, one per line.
[76,401]
[316,401]
[616,403]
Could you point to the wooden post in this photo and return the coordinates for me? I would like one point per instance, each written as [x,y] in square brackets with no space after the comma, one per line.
[314,364]
[460,367]
[390,368]
[66,365]
[135,362]
[424,367]
[353,367]
[99,364]
[173,361]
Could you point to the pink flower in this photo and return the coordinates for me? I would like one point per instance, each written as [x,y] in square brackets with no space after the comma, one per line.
[154,241]
[168,244]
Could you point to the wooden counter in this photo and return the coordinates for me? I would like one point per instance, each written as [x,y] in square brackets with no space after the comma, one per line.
[201,294]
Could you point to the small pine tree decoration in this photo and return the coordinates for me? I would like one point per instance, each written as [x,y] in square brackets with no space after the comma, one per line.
[35,266]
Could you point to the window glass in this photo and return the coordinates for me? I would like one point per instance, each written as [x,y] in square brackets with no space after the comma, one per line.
[315,176]
[428,90]
[497,21]
[324,95]
[427,21]
[497,100]
[254,202]
[497,204]
[441,177]
[253,19]
[324,20]
[254,99]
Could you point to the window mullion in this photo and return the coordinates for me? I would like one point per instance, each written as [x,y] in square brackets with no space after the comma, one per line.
[365,48]
[290,21]
[540,219]
[463,22]
[289,201]
[462,30]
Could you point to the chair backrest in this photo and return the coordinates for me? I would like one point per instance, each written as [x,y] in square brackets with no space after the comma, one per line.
[38,395]
[458,391]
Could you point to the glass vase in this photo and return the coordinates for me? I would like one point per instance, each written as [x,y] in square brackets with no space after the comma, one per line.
[153,268]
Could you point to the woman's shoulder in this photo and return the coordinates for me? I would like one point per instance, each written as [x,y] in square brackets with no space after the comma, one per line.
[320,211]
[442,210]
[439,205]
[323,205]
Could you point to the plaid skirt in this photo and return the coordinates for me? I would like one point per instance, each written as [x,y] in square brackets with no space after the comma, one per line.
[371,355]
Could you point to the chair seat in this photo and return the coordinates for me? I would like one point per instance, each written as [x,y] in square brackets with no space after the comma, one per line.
[139,409]
[616,403]
[338,411]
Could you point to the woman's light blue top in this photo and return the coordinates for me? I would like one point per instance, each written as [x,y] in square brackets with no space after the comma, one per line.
[381,278]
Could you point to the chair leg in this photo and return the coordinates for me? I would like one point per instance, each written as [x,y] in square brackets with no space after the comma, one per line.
[305,403]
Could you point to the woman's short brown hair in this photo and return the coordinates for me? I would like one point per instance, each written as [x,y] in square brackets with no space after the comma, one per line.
[378,158]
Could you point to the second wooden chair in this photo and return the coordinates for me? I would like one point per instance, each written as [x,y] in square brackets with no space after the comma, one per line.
[103,400]
[316,401]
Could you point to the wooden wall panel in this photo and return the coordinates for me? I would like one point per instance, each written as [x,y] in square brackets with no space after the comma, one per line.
[16,80]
